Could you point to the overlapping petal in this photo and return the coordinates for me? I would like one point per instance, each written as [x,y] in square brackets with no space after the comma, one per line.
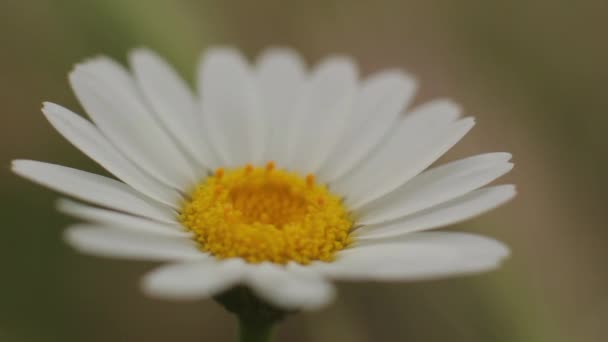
[86,137]
[110,97]
[193,280]
[459,209]
[230,107]
[93,188]
[323,110]
[436,186]
[416,256]
[379,102]
[110,242]
[417,142]
[171,100]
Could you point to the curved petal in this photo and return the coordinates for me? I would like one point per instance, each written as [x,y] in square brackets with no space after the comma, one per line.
[92,188]
[108,242]
[289,287]
[87,138]
[459,209]
[378,104]
[322,115]
[417,256]
[172,101]
[417,142]
[119,220]
[280,76]
[193,280]
[231,109]
[110,97]
[435,186]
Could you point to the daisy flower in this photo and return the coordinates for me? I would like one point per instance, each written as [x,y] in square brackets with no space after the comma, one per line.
[273,178]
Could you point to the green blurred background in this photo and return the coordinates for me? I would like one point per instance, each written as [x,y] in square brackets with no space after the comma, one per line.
[534,73]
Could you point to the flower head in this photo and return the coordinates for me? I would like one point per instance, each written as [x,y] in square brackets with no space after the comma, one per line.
[273,177]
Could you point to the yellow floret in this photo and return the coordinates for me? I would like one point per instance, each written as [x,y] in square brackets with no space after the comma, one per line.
[266,214]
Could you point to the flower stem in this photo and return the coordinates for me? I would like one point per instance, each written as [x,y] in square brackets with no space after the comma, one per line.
[257,318]
[255,330]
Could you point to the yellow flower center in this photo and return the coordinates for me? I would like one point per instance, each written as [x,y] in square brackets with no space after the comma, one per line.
[266,214]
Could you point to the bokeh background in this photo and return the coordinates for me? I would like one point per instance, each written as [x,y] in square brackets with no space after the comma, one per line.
[534,73]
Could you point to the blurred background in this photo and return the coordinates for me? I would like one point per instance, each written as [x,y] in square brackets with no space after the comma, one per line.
[533,72]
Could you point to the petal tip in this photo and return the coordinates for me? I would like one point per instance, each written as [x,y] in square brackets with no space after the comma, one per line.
[19,166]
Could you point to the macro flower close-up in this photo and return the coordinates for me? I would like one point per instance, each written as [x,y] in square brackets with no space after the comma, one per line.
[271,176]
[312,171]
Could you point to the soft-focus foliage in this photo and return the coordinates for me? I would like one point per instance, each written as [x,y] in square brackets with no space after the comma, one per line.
[532,72]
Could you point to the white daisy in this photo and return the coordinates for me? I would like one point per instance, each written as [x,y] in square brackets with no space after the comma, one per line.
[274,177]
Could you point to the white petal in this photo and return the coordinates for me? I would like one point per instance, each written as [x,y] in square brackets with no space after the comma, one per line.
[436,112]
[378,104]
[325,109]
[173,103]
[289,287]
[459,209]
[417,142]
[193,280]
[110,97]
[116,219]
[92,188]
[280,78]
[108,242]
[86,137]
[230,105]
[425,255]
[435,186]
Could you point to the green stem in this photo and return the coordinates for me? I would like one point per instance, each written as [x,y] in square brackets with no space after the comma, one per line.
[253,330]
[257,318]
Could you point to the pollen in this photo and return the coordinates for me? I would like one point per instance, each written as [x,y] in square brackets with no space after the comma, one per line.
[266,214]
